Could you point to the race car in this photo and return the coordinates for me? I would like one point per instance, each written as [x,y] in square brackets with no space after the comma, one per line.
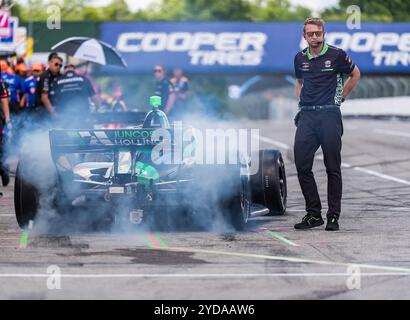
[131,173]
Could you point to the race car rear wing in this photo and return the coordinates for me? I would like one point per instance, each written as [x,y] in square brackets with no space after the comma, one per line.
[90,141]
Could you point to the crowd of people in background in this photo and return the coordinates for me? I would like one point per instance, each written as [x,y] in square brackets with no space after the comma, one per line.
[173,92]
[43,91]
[32,93]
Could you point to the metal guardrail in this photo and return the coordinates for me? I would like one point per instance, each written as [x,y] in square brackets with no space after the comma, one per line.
[382,86]
[280,103]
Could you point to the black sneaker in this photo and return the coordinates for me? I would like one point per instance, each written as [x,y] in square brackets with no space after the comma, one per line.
[332,223]
[309,221]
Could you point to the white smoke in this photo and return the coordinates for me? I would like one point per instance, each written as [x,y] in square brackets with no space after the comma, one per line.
[208,202]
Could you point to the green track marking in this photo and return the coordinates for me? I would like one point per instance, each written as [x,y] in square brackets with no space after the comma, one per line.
[24,239]
[281,238]
[160,241]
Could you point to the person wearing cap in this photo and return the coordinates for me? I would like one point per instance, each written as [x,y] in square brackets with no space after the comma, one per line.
[21,70]
[6,124]
[28,101]
[73,93]
[44,90]
[14,85]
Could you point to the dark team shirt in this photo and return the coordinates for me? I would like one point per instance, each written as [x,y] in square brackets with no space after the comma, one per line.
[322,76]
[45,86]
[73,91]
[163,89]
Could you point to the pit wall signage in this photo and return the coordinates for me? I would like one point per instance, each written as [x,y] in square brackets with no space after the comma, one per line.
[252,47]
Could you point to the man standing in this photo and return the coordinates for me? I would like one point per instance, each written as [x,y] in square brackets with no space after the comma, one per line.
[321,89]
[180,85]
[44,90]
[72,94]
[28,101]
[164,89]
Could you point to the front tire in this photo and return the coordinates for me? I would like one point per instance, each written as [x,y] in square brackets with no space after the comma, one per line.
[240,205]
[220,192]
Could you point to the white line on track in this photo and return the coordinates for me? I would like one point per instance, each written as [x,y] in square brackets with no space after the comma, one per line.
[392,133]
[344,165]
[7,215]
[289,259]
[381,175]
[276,143]
[401,270]
[201,275]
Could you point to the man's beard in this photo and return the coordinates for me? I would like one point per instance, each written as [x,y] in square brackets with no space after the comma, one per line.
[316,45]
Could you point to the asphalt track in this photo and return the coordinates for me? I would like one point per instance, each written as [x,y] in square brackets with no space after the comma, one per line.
[369,258]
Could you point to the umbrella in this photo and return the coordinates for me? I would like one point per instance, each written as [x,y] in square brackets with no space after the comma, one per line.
[90,49]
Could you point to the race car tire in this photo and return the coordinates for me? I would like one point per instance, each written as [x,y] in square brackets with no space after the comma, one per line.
[269,187]
[27,195]
[239,206]
[26,199]
[223,193]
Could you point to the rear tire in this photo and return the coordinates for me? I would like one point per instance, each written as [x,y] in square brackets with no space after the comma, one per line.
[269,186]
[26,199]
[27,195]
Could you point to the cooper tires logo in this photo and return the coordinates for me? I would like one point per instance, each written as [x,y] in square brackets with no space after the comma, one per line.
[386,48]
[203,48]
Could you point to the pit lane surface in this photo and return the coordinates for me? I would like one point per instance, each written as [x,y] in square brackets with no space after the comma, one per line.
[270,260]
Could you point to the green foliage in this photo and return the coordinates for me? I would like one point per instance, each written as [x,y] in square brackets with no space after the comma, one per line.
[168,10]
[213,10]
[75,10]
[278,10]
[232,10]
[372,10]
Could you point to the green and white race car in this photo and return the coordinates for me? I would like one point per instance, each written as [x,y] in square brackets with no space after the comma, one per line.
[133,173]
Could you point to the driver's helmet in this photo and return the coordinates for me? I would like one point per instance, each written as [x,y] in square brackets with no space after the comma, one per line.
[156,118]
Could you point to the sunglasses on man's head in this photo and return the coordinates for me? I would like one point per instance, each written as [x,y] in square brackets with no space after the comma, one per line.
[317,33]
[58,65]
[157,70]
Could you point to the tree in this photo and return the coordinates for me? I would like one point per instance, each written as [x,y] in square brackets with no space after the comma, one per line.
[169,10]
[233,10]
[278,10]
[116,11]
[372,10]
[200,10]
